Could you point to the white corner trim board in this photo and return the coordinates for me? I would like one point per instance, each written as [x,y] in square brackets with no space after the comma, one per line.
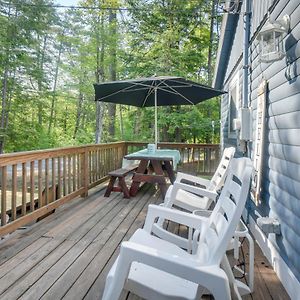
[285,275]
[259,140]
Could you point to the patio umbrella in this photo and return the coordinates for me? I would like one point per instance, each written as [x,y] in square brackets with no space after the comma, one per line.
[154,91]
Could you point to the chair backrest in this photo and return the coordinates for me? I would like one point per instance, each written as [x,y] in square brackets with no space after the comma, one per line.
[218,179]
[217,232]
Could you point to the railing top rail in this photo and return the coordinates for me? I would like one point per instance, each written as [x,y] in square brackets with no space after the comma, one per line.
[26,156]
[183,145]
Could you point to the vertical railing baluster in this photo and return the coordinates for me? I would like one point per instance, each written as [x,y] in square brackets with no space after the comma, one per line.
[14,188]
[59,187]
[69,175]
[53,181]
[99,163]
[24,188]
[40,184]
[93,153]
[79,183]
[85,172]
[102,164]
[47,181]
[90,165]
[64,175]
[32,186]
[74,171]
[3,195]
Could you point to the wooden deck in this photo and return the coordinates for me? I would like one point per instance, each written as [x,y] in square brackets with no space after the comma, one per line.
[68,254]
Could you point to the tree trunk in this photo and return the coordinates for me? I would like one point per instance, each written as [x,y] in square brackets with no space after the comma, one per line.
[65,121]
[41,58]
[54,88]
[99,122]
[79,113]
[112,70]
[121,122]
[99,77]
[210,47]
[4,94]
[3,109]
[137,122]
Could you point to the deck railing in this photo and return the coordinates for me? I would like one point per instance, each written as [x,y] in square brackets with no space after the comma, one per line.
[200,159]
[35,183]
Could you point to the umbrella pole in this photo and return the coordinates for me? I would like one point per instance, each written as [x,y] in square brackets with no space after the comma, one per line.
[155,112]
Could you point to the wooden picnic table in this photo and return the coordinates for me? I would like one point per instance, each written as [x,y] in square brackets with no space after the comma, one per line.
[153,168]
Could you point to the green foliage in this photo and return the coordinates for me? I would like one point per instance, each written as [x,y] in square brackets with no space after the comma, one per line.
[49,59]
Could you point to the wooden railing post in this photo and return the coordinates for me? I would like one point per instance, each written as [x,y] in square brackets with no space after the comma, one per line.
[85,172]
[125,148]
[3,195]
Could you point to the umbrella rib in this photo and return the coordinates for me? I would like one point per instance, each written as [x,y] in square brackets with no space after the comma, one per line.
[195,84]
[125,90]
[177,93]
[148,93]
[115,93]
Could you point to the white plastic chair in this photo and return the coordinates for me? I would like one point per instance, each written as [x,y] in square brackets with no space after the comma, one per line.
[185,195]
[191,197]
[196,199]
[154,268]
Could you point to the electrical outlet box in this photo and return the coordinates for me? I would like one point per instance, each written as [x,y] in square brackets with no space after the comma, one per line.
[269,225]
[236,125]
[246,124]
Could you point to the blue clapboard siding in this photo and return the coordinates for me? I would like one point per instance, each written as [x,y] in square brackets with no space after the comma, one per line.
[281,167]
[260,9]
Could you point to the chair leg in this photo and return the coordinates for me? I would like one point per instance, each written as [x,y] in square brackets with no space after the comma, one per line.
[115,282]
[251,262]
[221,290]
[218,285]
[227,268]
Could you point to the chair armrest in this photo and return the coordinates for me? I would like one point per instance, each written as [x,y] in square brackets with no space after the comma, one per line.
[193,189]
[205,213]
[184,267]
[194,179]
[187,219]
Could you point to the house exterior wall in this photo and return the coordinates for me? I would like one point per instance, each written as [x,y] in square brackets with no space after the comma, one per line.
[280,196]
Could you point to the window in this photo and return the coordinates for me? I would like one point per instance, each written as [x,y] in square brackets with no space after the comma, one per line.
[234,104]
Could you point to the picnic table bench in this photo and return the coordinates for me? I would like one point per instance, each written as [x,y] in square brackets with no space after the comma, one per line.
[119,174]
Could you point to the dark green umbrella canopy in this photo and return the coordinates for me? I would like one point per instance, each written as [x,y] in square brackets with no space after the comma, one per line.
[141,92]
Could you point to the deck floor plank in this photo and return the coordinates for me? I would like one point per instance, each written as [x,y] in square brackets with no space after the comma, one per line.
[34,259]
[58,261]
[98,286]
[10,247]
[21,288]
[90,248]
[14,261]
[67,280]
[82,284]
[268,278]
[68,254]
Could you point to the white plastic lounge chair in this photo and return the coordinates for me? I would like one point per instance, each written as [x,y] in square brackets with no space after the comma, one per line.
[153,268]
[183,195]
[191,197]
[198,199]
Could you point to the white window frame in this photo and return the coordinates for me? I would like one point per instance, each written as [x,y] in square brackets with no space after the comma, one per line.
[233,88]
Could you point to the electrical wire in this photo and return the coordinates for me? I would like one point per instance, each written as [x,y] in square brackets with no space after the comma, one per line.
[102,7]
[242,265]
[120,9]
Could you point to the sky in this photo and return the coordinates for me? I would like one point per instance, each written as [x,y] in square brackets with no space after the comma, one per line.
[66,2]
